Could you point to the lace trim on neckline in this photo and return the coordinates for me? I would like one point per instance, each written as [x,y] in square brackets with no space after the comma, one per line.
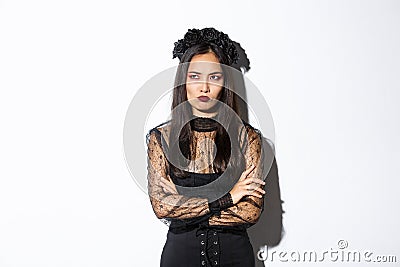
[203,124]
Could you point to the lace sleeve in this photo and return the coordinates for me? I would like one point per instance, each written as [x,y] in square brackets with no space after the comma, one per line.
[167,205]
[249,208]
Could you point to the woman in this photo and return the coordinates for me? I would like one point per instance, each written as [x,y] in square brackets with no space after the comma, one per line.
[211,194]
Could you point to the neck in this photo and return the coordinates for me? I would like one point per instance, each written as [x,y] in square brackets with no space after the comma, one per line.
[203,124]
[204,114]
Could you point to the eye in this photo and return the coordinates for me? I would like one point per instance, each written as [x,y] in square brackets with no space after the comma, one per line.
[215,77]
[193,76]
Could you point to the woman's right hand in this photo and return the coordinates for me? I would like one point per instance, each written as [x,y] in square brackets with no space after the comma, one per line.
[247,186]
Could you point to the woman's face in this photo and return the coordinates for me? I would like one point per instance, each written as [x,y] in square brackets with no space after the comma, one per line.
[204,83]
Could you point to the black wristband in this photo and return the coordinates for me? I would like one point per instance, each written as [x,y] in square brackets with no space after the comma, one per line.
[222,203]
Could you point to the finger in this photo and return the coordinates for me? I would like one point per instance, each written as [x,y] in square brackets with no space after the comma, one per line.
[171,187]
[254,180]
[250,187]
[165,189]
[254,193]
[166,185]
[255,187]
[253,175]
[246,172]
[170,190]
[260,190]
[167,181]
[163,184]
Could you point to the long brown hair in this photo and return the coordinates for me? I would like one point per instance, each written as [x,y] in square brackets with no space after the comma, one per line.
[224,142]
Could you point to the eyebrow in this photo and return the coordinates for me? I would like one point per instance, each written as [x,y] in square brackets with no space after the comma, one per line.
[196,72]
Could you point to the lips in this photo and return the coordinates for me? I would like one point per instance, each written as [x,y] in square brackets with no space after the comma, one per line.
[203,98]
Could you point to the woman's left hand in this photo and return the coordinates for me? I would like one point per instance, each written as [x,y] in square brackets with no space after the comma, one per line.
[168,186]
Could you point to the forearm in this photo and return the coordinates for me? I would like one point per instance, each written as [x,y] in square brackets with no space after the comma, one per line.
[182,207]
[247,210]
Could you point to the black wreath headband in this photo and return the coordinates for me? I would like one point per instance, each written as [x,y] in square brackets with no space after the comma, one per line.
[235,53]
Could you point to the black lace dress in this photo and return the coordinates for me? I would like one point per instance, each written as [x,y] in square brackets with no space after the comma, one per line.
[203,232]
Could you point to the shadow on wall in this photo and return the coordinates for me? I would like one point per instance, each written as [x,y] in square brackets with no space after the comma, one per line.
[268,231]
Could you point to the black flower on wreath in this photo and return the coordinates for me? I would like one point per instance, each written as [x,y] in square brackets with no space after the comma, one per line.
[210,34]
[232,53]
[179,48]
[207,35]
[192,37]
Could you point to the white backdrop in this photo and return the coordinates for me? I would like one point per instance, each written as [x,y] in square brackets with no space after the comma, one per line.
[69,69]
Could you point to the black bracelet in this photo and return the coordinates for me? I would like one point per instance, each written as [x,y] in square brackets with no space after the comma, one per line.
[225,201]
[222,203]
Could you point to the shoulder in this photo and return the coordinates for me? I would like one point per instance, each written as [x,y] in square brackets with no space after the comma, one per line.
[161,130]
[254,134]
[247,131]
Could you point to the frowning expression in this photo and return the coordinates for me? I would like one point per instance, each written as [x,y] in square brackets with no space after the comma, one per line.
[204,83]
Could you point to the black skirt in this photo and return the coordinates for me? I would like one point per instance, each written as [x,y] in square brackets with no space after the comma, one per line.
[207,247]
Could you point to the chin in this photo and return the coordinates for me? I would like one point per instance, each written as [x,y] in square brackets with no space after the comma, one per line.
[204,106]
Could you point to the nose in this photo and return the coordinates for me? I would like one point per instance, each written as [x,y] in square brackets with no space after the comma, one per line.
[204,87]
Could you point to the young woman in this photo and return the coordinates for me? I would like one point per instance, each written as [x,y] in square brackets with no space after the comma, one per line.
[205,169]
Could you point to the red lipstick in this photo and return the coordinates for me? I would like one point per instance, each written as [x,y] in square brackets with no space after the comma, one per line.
[203,98]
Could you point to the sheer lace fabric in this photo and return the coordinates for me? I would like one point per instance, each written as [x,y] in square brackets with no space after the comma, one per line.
[176,206]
